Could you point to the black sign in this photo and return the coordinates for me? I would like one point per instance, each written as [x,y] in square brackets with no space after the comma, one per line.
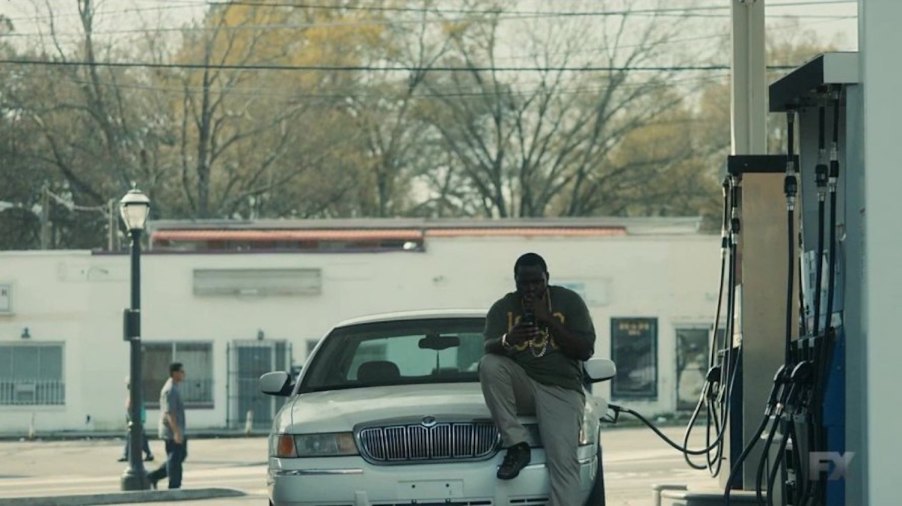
[634,348]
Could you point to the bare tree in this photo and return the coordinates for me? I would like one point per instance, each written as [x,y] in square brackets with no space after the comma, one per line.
[540,140]
[252,142]
[384,108]
[88,131]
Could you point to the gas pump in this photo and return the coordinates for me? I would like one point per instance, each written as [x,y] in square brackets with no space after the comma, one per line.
[796,454]
[804,429]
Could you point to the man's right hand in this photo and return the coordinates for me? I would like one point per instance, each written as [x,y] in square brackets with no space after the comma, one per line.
[177,437]
[521,333]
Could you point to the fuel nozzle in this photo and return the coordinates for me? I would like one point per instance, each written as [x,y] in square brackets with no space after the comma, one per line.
[821,178]
[725,226]
[834,146]
[790,184]
[713,375]
[712,381]
[821,172]
[791,189]
[734,209]
[781,377]
[799,380]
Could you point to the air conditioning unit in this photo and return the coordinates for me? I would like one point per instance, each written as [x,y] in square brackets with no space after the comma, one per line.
[25,393]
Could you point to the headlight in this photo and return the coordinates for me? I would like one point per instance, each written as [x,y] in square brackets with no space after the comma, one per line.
[315,445]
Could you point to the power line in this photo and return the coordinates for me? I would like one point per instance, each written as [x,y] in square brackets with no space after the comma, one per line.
[99,13]
[549,13]
[371,68]
[299,26]
[254,92]
[329,24]
[684,12]
[533,56]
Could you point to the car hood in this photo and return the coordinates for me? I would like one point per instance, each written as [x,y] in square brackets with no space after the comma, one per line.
[341,410]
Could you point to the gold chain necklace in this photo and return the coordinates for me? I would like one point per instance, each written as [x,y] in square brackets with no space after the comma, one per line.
[541,342]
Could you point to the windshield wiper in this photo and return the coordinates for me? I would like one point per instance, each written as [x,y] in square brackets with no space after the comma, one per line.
[329,387]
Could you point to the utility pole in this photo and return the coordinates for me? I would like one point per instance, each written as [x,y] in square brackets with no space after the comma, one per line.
[111,226]
[45,217]
[760,313]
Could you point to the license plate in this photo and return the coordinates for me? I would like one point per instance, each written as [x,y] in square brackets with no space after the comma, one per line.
[431,489]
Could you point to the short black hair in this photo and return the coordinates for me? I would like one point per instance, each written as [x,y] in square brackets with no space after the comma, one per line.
[175,367]
[530,259]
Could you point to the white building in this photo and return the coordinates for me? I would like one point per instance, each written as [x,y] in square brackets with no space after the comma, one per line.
[234,300]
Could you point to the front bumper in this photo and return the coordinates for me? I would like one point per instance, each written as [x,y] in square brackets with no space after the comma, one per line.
[351,481]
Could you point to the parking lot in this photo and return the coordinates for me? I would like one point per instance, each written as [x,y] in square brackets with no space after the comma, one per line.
[634,460]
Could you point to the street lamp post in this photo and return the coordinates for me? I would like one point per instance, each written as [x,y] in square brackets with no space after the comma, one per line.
[134,208]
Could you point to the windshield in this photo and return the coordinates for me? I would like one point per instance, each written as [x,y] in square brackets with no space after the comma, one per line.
[405,352]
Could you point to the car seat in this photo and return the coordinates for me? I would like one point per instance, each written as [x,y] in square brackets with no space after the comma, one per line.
[378,371]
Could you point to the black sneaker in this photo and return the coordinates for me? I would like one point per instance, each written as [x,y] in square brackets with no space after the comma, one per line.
[515,460]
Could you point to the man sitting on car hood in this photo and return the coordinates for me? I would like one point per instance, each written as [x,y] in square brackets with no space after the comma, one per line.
[535,340]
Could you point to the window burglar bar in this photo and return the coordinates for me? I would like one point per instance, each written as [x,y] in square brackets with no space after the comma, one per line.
[32,392]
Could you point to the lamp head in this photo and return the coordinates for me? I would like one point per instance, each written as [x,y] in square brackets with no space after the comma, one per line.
[134,208]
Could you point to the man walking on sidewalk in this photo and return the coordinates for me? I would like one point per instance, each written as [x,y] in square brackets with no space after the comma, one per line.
[148,455]
[172,429]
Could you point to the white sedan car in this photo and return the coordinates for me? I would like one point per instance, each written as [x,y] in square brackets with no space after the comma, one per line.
[388,412]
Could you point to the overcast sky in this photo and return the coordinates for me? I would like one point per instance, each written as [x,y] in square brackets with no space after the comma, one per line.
[833,20]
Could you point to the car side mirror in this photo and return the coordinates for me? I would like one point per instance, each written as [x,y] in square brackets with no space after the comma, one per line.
[600,369]
[276,383]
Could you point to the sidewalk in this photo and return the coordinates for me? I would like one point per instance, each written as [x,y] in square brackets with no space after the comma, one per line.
[81,471]
[144,496]
[63,435]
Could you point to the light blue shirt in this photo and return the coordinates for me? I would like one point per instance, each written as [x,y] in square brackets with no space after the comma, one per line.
[171,402]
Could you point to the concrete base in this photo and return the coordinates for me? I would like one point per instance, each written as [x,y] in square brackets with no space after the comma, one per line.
[660,488]
[132,481]
[706,498]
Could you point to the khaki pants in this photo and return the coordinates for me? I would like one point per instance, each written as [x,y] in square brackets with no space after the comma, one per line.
[508,392]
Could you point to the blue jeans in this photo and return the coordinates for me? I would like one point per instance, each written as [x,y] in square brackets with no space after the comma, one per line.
[145,445]
[175,455]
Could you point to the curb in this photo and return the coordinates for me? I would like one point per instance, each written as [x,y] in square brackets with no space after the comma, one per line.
[140,496]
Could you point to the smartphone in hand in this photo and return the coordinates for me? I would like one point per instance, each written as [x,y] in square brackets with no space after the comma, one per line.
[529,318]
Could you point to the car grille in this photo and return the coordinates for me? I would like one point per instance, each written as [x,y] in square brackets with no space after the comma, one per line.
[441,442]
[449,502]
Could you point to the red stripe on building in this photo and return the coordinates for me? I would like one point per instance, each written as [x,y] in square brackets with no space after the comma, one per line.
[526,232]
[284,235]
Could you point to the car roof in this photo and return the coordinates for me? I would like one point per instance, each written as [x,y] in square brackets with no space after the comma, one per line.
[424,314]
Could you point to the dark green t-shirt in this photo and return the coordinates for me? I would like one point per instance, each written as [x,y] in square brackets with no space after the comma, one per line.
[542,360]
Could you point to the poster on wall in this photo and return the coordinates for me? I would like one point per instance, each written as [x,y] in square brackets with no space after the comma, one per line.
[634,348]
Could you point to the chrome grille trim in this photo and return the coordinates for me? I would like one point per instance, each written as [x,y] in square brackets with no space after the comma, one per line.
[413,442]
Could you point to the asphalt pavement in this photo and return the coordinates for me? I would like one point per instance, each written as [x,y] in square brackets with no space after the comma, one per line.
[232,471]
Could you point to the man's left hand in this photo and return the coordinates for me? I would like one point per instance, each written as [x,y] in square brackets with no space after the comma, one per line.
[540,309]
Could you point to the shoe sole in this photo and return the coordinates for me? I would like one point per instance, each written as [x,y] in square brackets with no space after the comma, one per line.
[511,477]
